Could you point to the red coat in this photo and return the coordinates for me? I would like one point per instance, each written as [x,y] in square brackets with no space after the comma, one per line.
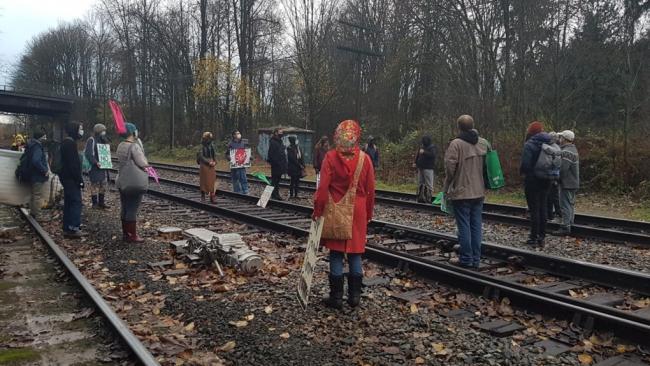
[335,179]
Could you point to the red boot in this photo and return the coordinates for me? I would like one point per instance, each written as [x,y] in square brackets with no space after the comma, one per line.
[213,198]
[132,236]
[125,231]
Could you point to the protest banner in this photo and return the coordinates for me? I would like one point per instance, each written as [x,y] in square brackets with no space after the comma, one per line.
[265,197]
[309,262]
[240,158]
[104,156]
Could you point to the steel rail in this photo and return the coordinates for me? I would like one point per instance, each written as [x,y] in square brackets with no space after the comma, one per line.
[595,273]
[633,326]
[132,342]
[586,226]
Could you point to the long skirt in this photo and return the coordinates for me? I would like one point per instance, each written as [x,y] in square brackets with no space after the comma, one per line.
[208,178]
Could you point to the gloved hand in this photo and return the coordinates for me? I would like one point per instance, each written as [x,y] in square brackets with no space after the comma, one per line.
[81,185]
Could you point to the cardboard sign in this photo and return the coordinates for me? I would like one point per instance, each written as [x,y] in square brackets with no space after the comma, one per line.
[266,196]
[104,156]
[240,158]
[309,262]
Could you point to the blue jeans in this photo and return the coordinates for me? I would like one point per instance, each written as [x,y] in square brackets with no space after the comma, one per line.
[71,206]
[470,232]
[239,181]
[336,263]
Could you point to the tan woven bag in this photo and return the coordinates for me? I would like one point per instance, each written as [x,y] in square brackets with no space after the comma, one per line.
[337,223]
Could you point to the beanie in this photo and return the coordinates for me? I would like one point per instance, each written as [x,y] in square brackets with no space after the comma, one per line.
[99,128]
[534,128]
[38,134]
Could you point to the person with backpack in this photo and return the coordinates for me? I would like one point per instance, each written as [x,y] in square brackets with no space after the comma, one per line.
[35,171]
[569,180]
[237,175]
[465,188]
[425,162]
[72,181]
[295,166]
[96,175]
[277,157]
[539,167]
[371,149]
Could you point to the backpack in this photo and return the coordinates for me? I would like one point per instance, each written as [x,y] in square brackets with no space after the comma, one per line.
[57,161]
[22,172]
[549,162]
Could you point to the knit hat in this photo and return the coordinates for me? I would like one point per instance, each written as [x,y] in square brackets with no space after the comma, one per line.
[534,128]
[130,129]
[38,134]
[207,136]
[99,128]
[567,135]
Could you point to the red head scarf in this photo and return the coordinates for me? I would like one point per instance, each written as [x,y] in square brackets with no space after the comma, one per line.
[346,138]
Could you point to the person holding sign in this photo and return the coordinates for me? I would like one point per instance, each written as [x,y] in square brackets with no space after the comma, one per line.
[345,199]
[98,171]
[239,156]
[206,158]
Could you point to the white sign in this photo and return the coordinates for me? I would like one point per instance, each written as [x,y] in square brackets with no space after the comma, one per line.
[266,196]
[309,262]
[240,158]
[104,156]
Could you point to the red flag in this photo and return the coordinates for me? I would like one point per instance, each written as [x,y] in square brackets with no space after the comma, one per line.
[118,117]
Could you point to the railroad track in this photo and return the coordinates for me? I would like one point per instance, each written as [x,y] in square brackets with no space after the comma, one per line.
[138,350]
[591,295]
[586,226]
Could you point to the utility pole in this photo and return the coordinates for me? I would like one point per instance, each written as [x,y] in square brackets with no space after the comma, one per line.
[171,130]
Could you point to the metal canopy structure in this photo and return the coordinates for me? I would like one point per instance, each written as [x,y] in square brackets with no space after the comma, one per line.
[14,101]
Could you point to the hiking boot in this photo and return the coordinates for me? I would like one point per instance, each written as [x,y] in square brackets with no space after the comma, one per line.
[76,234]
[531,241]
[335,300]
[562,232]
[101,202]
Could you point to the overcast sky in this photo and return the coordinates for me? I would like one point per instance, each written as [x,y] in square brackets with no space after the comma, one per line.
[20,20]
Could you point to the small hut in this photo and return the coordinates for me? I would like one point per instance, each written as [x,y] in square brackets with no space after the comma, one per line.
[304,137]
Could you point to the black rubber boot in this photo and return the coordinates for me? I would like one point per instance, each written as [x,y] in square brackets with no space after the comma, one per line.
[354,289]
[94,199]
[335,300]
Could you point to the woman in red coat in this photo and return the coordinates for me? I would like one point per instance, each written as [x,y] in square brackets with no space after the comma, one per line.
[336,177]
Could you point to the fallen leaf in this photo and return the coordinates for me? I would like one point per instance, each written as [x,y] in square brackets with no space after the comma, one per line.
[229,346]
[284,335]
[250,317]
[419,361]
[131,261]
[440,349]
[189,327]
[239,323]
[585,359]
[414,308]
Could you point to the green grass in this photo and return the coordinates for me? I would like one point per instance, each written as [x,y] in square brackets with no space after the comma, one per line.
[9,356]
[641,213]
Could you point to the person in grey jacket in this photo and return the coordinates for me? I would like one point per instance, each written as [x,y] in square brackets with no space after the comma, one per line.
[569,180]
[96,175]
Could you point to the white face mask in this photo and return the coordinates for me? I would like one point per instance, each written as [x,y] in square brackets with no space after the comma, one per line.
[43,139]
[103,133]
[135,134]
[81,133]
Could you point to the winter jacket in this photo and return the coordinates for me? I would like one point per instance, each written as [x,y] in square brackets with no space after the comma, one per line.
[277,156]
[427,159]
[95,174]
[319,156]
[207,154]
[464,161]
[532,149]
[570,170]
[296,163]
[71,164]
[38,169]
[373,152]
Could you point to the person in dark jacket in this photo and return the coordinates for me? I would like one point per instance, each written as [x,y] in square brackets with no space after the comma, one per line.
[72,181]
[277,157]
[96,175]
[206,157]
[38,172]
[237,175]
[295,166]
[320,150]
[569,180]
[536,189]
[371,149]
[553,203]
[425,162]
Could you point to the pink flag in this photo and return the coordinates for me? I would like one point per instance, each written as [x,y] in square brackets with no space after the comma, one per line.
[118,117]
[152,173]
